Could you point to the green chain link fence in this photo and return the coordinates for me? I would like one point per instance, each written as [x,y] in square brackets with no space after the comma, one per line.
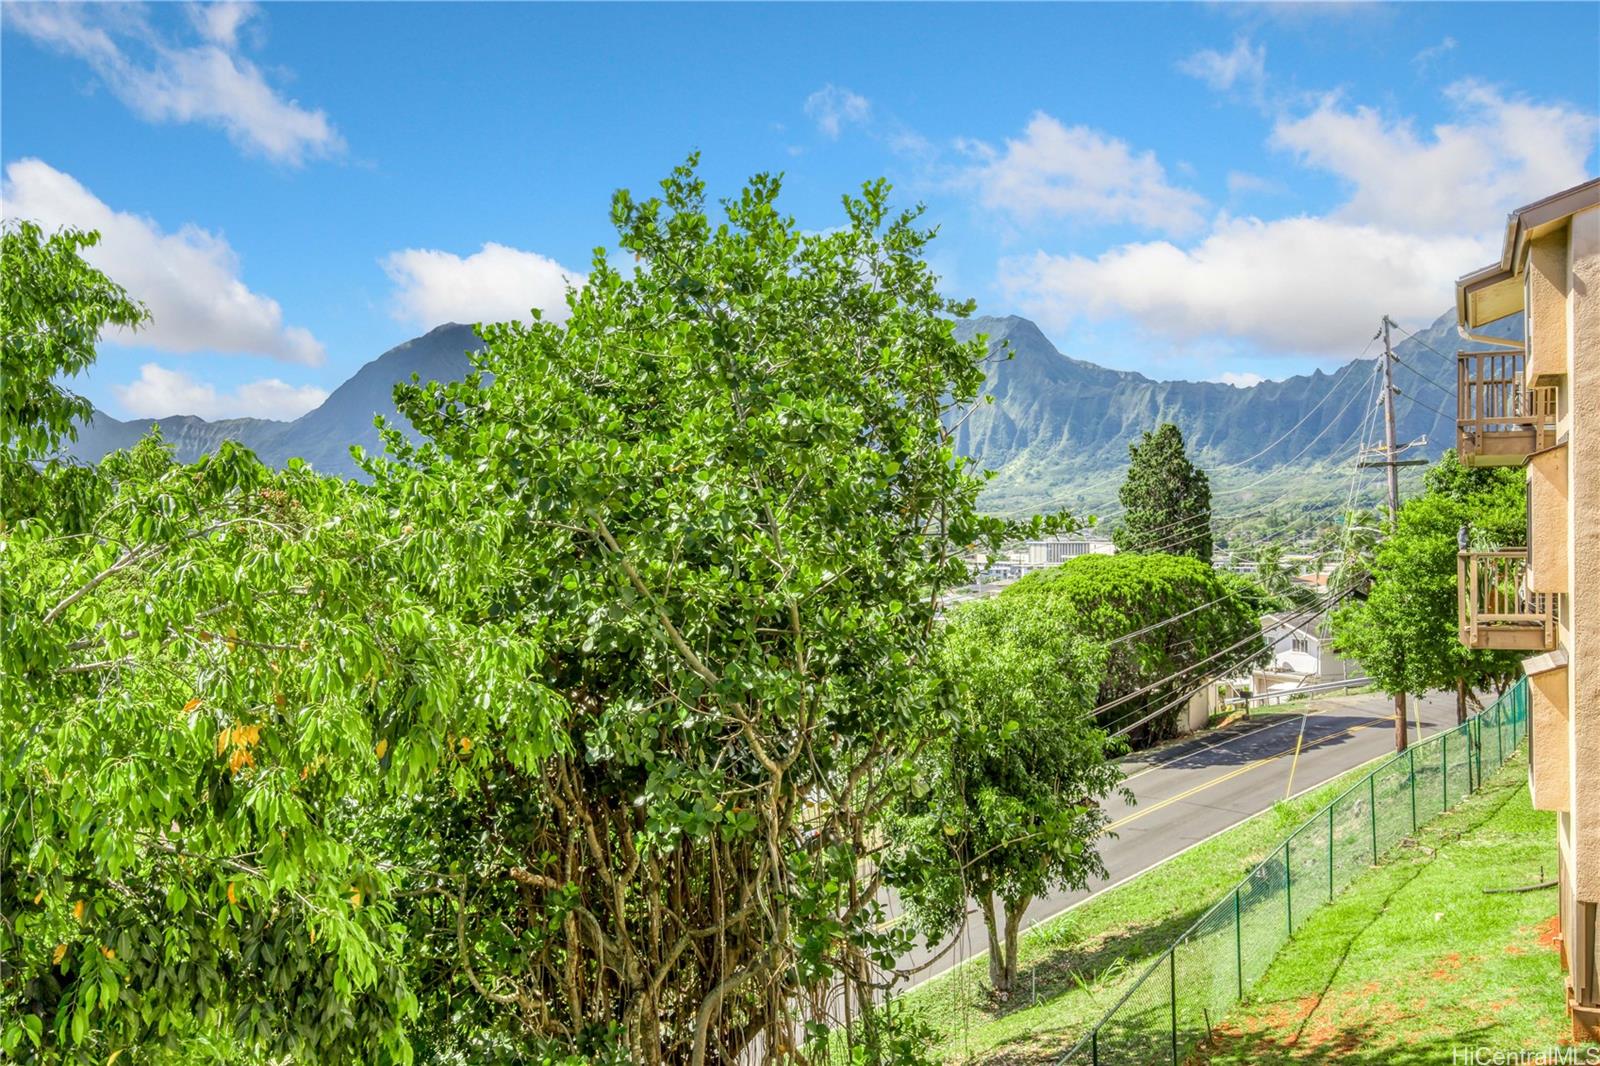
[1207,970]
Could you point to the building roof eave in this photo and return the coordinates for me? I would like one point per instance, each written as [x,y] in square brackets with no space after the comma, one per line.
[1495,291]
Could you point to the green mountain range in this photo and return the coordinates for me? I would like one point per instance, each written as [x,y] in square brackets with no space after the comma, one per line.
[1055,430]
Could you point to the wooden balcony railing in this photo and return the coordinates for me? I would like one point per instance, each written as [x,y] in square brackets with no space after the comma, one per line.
[1500,421]
[1495,609]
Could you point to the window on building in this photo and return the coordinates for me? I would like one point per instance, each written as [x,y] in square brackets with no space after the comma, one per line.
[1300,643]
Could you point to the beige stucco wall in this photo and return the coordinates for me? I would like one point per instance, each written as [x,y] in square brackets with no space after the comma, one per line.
[1547,769]
[1582,328]
[1547,307]
[1547,520]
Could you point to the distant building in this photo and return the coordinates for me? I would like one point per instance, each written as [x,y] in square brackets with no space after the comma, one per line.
[1302,655]
[1537,405]
[990,576]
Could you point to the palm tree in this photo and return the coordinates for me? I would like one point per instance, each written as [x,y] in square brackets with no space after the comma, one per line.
[1352,556]
[1277,578]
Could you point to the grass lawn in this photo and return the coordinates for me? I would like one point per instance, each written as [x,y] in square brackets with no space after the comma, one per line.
[1078,963]
[1414,960]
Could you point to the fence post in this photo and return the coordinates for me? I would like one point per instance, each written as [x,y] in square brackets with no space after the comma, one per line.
[1172,986]
[1094,1046]
[1372,809]
[1499,736]
[1330,852]
[1472,756]
[1477,725]
[1238,942]
[1411,771]
[1444,770]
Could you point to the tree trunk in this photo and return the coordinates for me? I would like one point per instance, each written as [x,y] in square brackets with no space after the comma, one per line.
[997,975]
[1014,913]
[1400,721]
[1461,702]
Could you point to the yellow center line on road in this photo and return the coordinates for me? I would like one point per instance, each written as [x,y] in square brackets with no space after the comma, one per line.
[1373,719]
[1287,789]
[1231,774]
[1229,740]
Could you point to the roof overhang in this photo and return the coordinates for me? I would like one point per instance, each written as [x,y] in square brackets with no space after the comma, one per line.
[1496,291]
[1487,295]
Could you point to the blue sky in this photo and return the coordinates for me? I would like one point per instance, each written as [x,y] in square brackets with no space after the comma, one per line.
[1192,191]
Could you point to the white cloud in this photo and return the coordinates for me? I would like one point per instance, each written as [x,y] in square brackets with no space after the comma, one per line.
[832,108]
[1421,210]
[1425,57]
[1461,176]
[162,393]
[1244,67]
[163,81]
[1242,379]
[1241,183]
[1293,286]
[189,279]
[1057,171]
[495,284]
[220,22]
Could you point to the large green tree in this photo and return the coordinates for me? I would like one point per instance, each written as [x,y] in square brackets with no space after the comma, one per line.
[1169,623]
[1404,632]
[734,505]
[1008,804]
[1166,499]
[209,677]
[569,737]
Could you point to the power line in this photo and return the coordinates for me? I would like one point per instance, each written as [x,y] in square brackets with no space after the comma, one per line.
[1294,619]
[1280,439]
[1167,543]
[1209,513]
[1192,666]
[1422,342]
[1447,390]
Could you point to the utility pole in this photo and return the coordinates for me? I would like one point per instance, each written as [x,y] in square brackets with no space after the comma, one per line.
[1390,455]
[1391,460]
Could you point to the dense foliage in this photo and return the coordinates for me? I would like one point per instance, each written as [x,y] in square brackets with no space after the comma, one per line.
[53,309]
[1166,499]
[1169,622]
[1007,806]
[567,739]
[192,690]
[1404,632]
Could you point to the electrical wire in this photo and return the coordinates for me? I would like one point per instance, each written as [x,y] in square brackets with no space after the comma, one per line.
[1332,388]
[1315,611]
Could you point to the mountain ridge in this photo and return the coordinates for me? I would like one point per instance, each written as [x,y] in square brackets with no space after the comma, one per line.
[1052,426]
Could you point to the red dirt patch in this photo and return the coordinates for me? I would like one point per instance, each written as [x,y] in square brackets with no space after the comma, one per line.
[1550,932]
[1446,970]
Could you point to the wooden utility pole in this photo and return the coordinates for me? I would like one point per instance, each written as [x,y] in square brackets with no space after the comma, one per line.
[1391,460]
[1390,454]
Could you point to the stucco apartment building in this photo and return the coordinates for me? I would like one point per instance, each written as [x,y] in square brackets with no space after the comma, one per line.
[1538,406]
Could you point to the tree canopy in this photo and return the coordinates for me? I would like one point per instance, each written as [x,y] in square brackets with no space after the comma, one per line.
[566,739]
[1404,632]
[1008,800]
[1166,499]
[1169,622]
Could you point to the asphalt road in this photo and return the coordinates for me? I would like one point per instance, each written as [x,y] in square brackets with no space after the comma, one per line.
[1190,791]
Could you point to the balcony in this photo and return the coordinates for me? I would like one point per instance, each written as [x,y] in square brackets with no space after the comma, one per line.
[1500,421]
[1495,609]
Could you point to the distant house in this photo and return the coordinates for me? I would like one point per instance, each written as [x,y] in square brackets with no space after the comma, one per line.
[1302,655]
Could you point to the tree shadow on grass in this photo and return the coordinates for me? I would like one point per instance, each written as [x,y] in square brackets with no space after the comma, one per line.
[1301,1038]
[1357,1044]
[1317,1037]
